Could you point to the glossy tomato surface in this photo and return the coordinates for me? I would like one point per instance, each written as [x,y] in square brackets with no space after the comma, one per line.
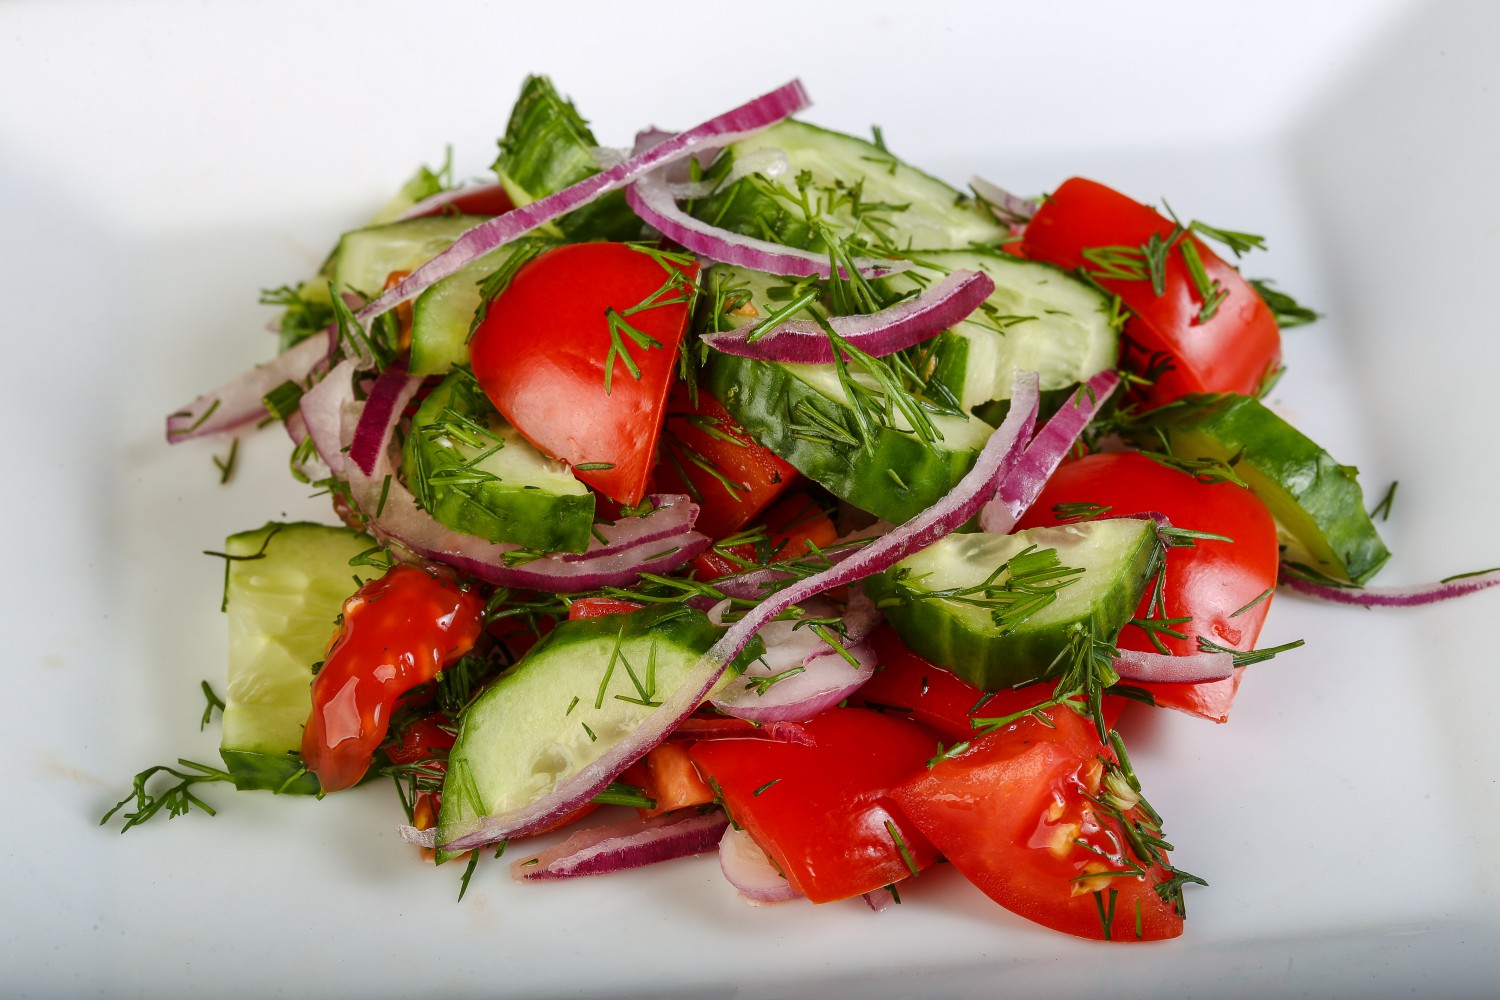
[1233,349]
[823,812]
[1020,815]
[1222,589]
[579,354]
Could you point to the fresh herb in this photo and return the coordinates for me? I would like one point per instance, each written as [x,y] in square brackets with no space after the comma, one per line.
[214,701]
[177,799]
[1287,310]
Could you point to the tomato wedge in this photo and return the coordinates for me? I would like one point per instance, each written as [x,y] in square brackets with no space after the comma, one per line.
[823,813]
[1042,819]
[1179,337]
[579,354]
[1217,591]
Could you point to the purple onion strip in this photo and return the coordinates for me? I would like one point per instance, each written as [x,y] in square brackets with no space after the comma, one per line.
[238,402]
[878,334]
[393,389]
[1393,597]
[634,844]
[1007,207]
[750,871]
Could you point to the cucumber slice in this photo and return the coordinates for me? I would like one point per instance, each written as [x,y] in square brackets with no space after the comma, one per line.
[547,147]
[475,473]
[1118,558]
[286,585]
[366,257]
[1317,503]
[1040,318]
[855,188]
[443,315]
[575,695]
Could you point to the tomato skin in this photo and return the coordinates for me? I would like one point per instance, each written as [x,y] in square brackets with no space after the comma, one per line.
[398,631]
[705,432]
[1006,813]
[1209,581]
[1233,351]
[598,607]
[792,524]
[422,740]
[542,355]
[823,820]
[668,775]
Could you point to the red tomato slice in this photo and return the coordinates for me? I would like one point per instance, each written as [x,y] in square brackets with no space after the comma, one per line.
[1231,351]
[574,322]
[598,607]
[1010,813]
[712,459]
[1214,584]
[823,813]
[794,524]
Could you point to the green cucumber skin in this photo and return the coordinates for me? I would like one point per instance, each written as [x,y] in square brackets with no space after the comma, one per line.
[532,704]
[496,510]
[268,772]
[547,147]
[441,317]
[764,398]
[1318,504]
[991,660]
[365,258]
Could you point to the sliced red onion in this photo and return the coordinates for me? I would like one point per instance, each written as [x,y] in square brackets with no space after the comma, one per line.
[885,332]
[1007,207]
[239,401]
[878,900]
[977,487]
[749,869]
[322,409]
[393,389]
[729,127]
[824,679]
[1161,668]
[1393,597]
[633,844]
[1024,482]
[673,515]
[650,197]
[703,730]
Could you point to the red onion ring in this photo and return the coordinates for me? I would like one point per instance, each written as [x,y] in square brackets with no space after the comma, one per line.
[877,900]
[633,844]
[673,515]
[971,493]
[1161,668]
[743,121]
[826,679]
[805,342]
[393,389]
[1006,207]
[322,410]
[238,401]
[1024,482]
[749,870]
[1393,597]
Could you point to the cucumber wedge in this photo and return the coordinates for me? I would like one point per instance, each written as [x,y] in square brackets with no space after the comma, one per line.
[575,695]
[475,473]
[366,257]
[960,632]
[286,586]
[547,147]
[854,188]
[1317,503]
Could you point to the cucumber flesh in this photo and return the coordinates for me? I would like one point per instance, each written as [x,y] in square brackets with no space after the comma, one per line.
[899,205]
[366,257]
[580,691]
[286,586]
[1117,557]
[1318,505]
[442,315]
[476,474]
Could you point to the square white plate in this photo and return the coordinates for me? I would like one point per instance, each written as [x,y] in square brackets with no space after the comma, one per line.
[161,162]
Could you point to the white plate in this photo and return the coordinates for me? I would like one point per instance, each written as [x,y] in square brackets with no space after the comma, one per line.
[161,162]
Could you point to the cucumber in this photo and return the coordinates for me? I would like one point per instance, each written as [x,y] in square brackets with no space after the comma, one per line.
[1040,318]
[285,587]
[855,188]
[548,146]
[1118,558]
[474,472]
[1317,503]
[443,315]
[574,696]
[365,257]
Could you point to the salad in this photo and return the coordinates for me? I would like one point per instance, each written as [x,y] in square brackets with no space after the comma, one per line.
[759,482]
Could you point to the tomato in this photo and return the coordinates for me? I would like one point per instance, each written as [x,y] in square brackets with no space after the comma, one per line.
[794,525]
[712,459]
[908,685]
[485,199]
[1233,350]
[598,607]
[397,632]
[579,354]
[823,813]
[423,740]
[668,775]
[1222,588]
[1010,814]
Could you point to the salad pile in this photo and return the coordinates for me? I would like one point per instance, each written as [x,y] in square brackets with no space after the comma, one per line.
[757,481]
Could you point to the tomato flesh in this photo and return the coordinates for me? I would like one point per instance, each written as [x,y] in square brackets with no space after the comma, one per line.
[579,354]
[823,812]
[1231,351]
[1010,814]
